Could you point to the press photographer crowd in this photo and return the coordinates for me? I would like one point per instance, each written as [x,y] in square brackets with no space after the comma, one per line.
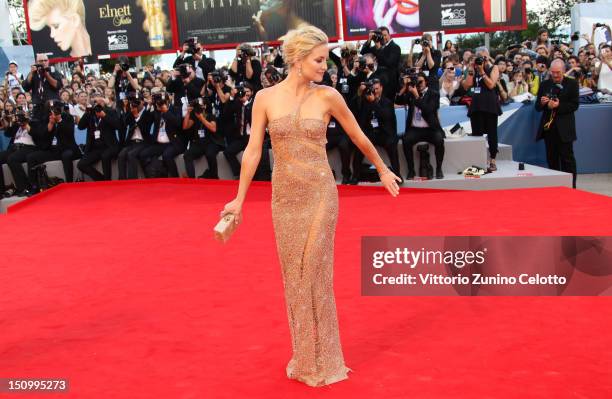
[146,118]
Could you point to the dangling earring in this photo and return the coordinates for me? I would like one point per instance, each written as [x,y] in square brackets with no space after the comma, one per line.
[300,72]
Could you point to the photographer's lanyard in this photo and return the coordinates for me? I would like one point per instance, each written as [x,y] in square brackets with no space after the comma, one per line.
[477,88]
[55,134]
[374,121]
[97,122]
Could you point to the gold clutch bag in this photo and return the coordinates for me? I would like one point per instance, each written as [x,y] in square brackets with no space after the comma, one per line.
[225,228]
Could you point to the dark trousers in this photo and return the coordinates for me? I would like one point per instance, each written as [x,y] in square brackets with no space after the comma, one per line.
[343,144]
[416,134]
[90,158]
[16,157]
[212,149]
[559,154]
[3,158]
[388,143]
[232,150]
[196,150]
[128,160]
[485,123]
[54,154]
[168,151]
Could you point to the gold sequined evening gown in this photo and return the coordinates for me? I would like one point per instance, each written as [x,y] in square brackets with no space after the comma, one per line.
[304,215]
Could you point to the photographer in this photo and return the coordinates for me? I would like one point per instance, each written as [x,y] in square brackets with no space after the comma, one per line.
[375,72]
[344,63]
[21,145]
[13,79]
[603,70]
[246,68]
[166,140]
[387,54]
[186,55]
[272,76]
[485,107]
[57,143]
[124,82]
[185,86]
[376,117]
[101,143]
[238,138]
[422,123]
[44,83]
[430,59]
[558,100]
[135,136]
[199,125]
[532,80]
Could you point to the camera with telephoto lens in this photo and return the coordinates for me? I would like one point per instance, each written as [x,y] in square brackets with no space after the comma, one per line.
[97,108]
[369,88]
[246,51]
[362,63]
[134,100]
[274,75]
[191,45]
[411,74]
[216,77]
[57,107]
[240,91]
[479,60]
[160,99]
[183,71]
[554,92]
[198,105]
[22,118]
[377,36]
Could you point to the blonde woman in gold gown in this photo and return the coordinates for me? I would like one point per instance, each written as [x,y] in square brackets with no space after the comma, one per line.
[305,199]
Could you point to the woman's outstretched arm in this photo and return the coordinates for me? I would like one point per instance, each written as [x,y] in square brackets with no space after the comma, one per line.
[250,157]
[340,111]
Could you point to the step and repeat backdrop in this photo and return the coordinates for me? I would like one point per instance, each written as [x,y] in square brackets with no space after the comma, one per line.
[67,29]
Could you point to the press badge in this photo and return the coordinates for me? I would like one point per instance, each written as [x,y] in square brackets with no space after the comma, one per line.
[97,134]
[122,96]
[332,125]
[54,141]
[476,90]
[201,133]
[374,122]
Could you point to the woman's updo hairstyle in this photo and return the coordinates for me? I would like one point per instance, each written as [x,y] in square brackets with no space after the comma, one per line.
[298,43]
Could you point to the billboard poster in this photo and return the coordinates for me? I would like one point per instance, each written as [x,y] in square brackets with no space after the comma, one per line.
[412,17]
[75,28]
[224,23]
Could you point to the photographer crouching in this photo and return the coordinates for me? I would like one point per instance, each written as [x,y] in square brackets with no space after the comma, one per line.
[558,100]
[422,123]
[136,135]
[485,107]
[23,143]
[101,143]
[56,143]
[199,125]
[376,117]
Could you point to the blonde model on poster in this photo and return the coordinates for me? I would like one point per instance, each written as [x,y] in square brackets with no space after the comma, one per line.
[66,21]
[305,199]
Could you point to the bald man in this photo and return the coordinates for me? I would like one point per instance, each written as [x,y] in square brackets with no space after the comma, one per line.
[558,100]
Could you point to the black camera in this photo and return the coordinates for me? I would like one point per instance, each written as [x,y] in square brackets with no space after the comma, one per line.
[57,107]
[425,43]
[599,25]
[275,77]
[369,88]
[22,118]
[479,60]
[246,51]
[216,77]
[191,45]
[575,37]
[184,71]
[240,91]
[411,74]
[98,108]
[160,99]
[134,100]
[198,105]
[377,36]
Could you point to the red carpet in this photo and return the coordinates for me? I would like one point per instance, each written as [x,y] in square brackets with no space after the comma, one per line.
[120,288]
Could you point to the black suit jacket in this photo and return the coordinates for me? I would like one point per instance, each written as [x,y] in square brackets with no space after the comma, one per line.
[383,110]
[107,126]
[429,104]
[173,127]
[144,124]
[564,120]
[191,90]
[64,131]
[388,56]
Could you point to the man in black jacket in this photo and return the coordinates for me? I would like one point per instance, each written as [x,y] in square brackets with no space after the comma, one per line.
[25,138]
[198,125]
[422,123]
[558,100]
[388,55]
[124,81]
[101,143]
[135,137]
[185,86]
[167,139]
[240,130]
[58,144]
[376,117]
